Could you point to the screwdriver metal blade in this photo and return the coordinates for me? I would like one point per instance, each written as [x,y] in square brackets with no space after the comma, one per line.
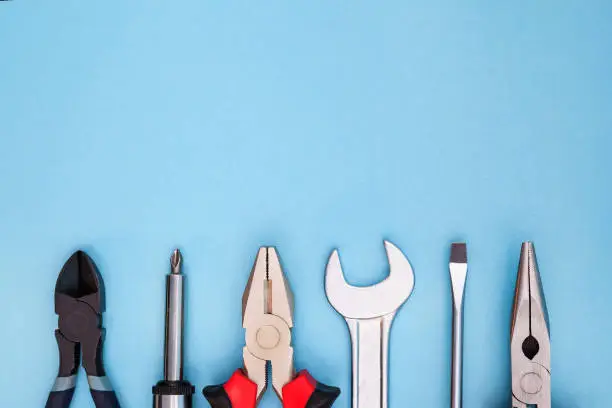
[458,275]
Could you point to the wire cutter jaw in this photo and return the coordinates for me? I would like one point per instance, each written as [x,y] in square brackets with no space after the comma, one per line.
[530,338]
[79,303]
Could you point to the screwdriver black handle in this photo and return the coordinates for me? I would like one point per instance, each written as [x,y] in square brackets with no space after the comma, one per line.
[60,399]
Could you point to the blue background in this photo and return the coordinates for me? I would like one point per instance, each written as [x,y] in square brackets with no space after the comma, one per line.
[128,128]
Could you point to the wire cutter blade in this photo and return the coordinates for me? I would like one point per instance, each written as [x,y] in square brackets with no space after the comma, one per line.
[530,338]
[79,303]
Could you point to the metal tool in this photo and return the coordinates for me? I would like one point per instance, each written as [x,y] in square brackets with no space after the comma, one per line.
[173,391]
[369,312]
[267,316]
[458,275]
[79,302]
[530,339]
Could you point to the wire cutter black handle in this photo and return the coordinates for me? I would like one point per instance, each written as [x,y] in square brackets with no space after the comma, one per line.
[105,399]
[63,389]
[60,399]
[80,335]
[102,392]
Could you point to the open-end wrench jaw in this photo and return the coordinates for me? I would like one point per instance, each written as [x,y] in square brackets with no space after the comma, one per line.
[377,300]
[369,312]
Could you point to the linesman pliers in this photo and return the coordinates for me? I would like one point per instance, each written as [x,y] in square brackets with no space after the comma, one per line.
[79,302]
[530,338]
[267,317]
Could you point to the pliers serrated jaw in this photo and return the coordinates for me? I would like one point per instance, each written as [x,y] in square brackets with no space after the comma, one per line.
[530,338]
[267,317]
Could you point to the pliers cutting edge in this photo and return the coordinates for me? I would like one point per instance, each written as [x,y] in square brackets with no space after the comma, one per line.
[79,302]
[530,338]
[267,317]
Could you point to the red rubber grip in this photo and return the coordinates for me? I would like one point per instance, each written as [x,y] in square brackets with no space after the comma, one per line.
[297,393]
[241,391]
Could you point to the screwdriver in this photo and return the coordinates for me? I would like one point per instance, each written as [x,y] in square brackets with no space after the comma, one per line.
[173,391]
[458,272]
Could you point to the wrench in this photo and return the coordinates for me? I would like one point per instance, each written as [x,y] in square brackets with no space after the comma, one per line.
[369,312]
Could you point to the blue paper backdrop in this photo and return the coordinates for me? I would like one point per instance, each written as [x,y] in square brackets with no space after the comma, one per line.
[127,128]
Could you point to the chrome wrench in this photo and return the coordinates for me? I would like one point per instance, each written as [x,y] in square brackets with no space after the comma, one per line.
[369,312]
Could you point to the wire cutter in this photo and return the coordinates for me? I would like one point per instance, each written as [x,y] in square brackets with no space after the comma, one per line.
[530,339]
[267,317]
[79,302]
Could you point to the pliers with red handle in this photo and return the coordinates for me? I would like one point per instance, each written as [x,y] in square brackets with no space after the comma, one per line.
[267,317]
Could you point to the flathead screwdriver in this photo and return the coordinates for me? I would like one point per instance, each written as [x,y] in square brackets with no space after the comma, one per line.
[458,275]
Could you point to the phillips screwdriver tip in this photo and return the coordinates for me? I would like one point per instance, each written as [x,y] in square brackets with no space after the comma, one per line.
[175,262]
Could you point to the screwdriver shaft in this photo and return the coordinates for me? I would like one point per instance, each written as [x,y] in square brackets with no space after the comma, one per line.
[173,362]
[458,274]
[457,358]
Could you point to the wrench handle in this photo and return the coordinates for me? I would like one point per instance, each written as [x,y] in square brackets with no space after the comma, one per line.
[370,349]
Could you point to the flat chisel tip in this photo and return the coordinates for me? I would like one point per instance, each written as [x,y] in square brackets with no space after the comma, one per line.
[458,252]
[175,262]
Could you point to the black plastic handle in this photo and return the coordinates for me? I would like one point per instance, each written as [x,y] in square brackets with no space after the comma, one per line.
[217,397]
[237,392]
[302,392]
[306,392]
[69,357]
[60,399]
[323,396]
[105,399]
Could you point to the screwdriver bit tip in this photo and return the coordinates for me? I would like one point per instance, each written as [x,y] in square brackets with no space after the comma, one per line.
[175,262]
[458,252]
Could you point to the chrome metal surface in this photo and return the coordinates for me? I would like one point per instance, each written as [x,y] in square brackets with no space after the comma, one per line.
[173,355]
[172,401]
[458,275]
[530,338]
[369,312]
[164,392]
